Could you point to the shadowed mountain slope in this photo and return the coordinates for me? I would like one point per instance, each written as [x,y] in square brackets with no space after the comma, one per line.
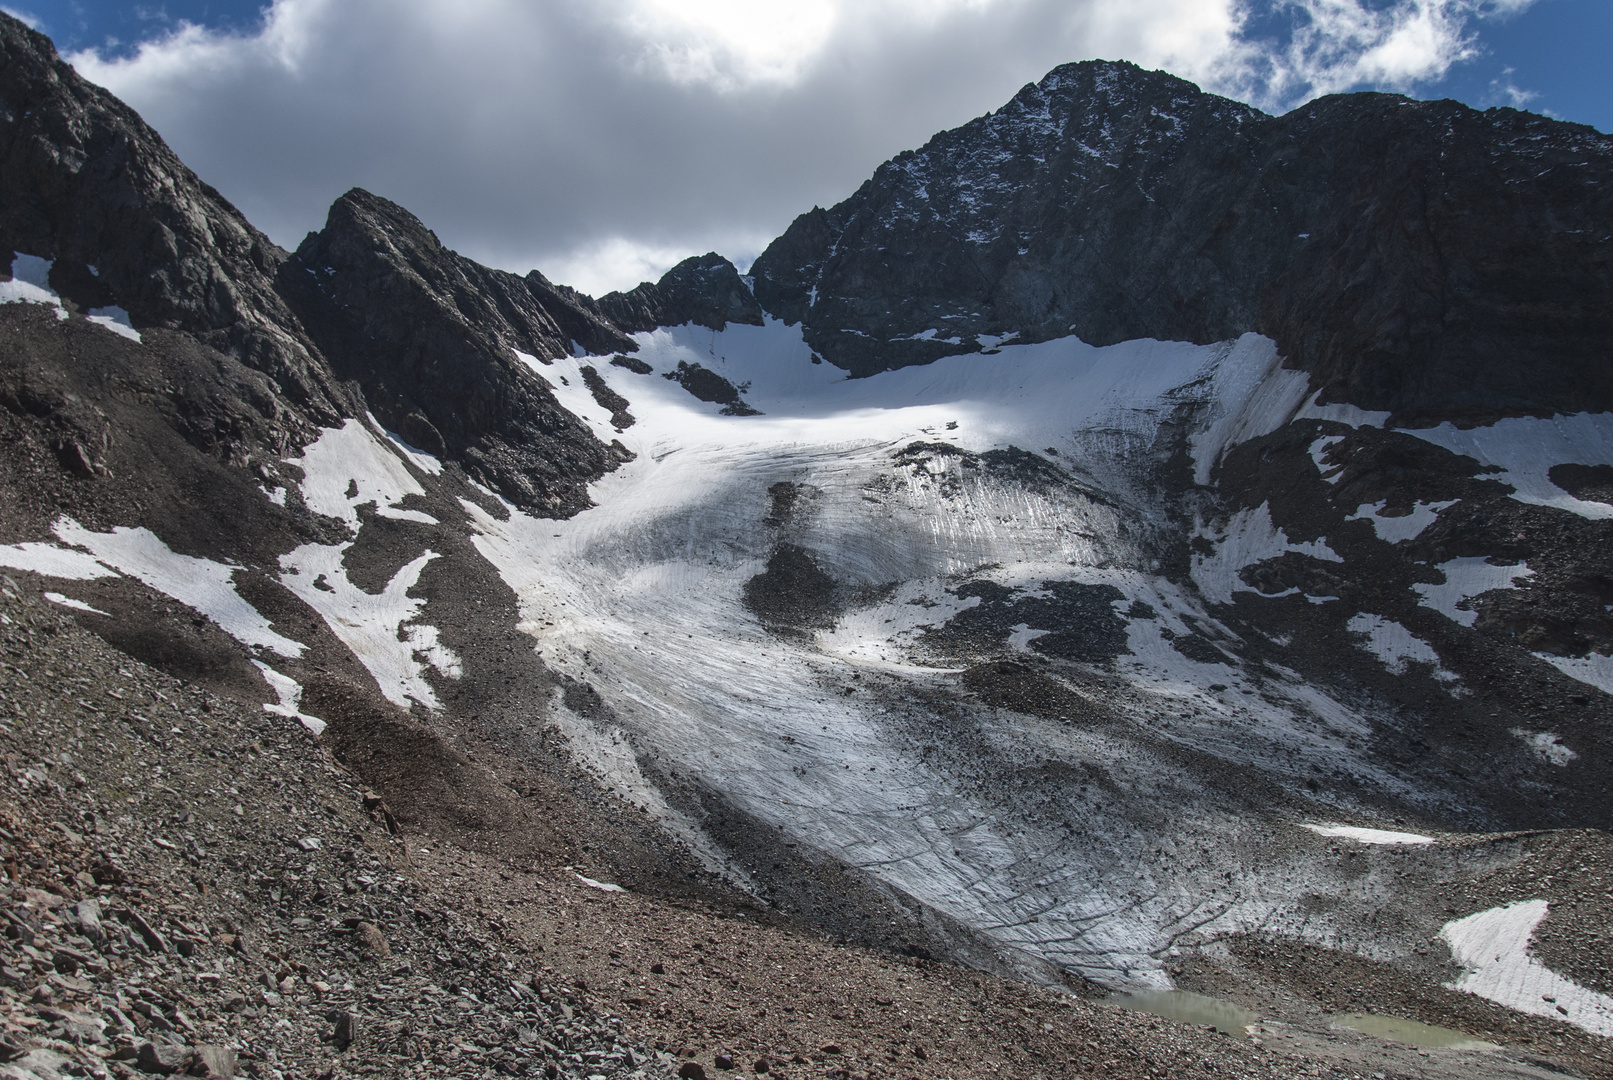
[1417,257]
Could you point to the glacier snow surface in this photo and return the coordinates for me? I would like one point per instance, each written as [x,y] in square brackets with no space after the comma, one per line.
[825,740]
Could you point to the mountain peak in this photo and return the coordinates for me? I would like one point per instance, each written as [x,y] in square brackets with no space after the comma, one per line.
[703,289]
[1116,203]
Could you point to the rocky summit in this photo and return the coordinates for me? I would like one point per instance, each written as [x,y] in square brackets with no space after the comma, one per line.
[1127,593]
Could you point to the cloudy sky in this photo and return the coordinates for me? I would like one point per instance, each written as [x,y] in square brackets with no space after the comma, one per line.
[603,140]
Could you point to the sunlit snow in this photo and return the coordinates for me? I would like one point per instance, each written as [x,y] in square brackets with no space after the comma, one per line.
[378,627]
[348,467]
[1493,947]
[1370,836]
[288,695]
[822,737]
[203,584]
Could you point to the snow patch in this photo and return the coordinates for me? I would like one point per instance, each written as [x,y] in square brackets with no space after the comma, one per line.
[1021,636]
[49,560]
[76,605]
[1369,836]
[421,460]
[1593,669]
[1249,537]
[1396,646]
[1466,578]
[1526,447]
[1397,529]
[378,628]
[563,375]
[289,693]
[1341,413]
[1251,394]
[114,319]
[347,467]
[1319,448]
[1493,946]
[1547,746]
[602,886]
[30,284]
[202,584]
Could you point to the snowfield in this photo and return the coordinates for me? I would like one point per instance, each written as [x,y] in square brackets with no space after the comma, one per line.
[824,738]
[921,525]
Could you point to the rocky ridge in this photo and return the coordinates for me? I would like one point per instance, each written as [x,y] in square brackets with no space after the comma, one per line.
[705,290]
[433,340]
[89,184]
[1418,257]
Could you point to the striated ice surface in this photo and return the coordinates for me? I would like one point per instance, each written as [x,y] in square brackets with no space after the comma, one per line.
[840,738]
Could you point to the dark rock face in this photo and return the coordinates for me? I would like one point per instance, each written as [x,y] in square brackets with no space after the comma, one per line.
[578,316]
[707,385]
[431,336]
[607,398]
[1079,621]
[426,334]
[87,182]
[1421,257]
[705,290]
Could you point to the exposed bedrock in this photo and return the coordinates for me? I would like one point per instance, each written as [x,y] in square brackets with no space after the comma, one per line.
[705,290]
[88,184]
[1418,257]
[432,338]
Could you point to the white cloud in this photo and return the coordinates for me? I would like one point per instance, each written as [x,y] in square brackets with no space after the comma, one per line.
[732,42]
[1340,45]
[30,21]
[1504,90]
[600,140]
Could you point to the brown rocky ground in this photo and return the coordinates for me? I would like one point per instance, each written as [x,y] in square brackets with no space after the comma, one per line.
[193,884]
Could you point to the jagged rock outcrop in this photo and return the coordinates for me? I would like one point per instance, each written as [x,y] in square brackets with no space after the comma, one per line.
[706,290]
[426,334]
[578,316]
[1421,257]
[432,338]
[88,183]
